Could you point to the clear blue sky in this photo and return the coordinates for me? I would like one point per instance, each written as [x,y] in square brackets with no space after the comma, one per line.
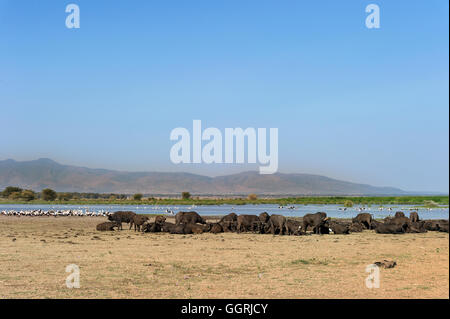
[352,103]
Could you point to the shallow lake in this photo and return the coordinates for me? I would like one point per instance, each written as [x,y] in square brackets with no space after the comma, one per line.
[335,211]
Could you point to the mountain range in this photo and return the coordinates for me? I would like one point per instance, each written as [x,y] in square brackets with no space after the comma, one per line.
[46,173]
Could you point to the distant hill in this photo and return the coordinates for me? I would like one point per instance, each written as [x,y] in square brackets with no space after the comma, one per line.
[42,173]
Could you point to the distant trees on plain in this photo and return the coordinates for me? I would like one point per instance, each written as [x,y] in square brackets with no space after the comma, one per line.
[47,194]
[17,193]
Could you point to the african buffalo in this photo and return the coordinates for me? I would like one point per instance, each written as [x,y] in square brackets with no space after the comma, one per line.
[363,218]
[323,229]
[160,219]
[151,227]
[107,226]
[414,217]
[403,221]
[277,224]
[387,219]
[215,228]
[374,224]
[356,227]
[122,217]
[443,228]
[231,217]
[339,228]
[229,222]
[188,218]
[416,227]
[437,225]
[228,226]
[314,220]
[264,217]
[399,214]
[390,229]
[293,227]
[259,227]
[167,227]
[188,229]
[246,222]
[431,225]
[138,221]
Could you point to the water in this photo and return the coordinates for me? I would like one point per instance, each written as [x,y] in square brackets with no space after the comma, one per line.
[335,211]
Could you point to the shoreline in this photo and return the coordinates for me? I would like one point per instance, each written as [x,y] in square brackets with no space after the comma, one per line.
[416,201]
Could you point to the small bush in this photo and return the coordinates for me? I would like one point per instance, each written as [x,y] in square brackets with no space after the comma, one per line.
[49,194]
[9,190]
[348,203]
[185,195]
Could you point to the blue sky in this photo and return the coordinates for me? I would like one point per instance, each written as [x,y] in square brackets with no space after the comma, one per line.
[363,105]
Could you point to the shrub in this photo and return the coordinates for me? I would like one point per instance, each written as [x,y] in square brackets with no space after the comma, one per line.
[65,196]
[185,195]
[15,195]
[348,203]
[9,190]
[28,195]
[49,194]
[430,204]
[252,197]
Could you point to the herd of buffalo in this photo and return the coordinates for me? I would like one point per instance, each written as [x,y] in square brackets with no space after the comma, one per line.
[319,223]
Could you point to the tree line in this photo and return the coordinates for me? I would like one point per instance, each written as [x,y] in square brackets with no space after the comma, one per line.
[47,194]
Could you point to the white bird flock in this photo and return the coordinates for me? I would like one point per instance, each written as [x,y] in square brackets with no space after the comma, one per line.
[55,213]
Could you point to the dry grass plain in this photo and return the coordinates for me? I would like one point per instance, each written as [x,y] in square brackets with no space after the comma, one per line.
[34,253]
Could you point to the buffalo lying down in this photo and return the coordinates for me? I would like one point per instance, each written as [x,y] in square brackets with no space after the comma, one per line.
[443,228]
[158,226]
[390,229]
[151,227]
[356,227]
[374,224]
[188,229]
[167,227]
[339,228]
[293,227]
[215,228]
[436,225]
[416,227]
[107,226]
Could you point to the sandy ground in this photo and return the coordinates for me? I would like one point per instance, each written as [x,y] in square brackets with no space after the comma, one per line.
[34,253]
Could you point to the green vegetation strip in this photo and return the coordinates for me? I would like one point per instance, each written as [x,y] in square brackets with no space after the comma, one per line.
[422,201]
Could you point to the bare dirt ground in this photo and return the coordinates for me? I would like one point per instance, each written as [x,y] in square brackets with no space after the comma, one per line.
[34,253]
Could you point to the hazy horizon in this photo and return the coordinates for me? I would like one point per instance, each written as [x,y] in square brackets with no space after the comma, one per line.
[238,171]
